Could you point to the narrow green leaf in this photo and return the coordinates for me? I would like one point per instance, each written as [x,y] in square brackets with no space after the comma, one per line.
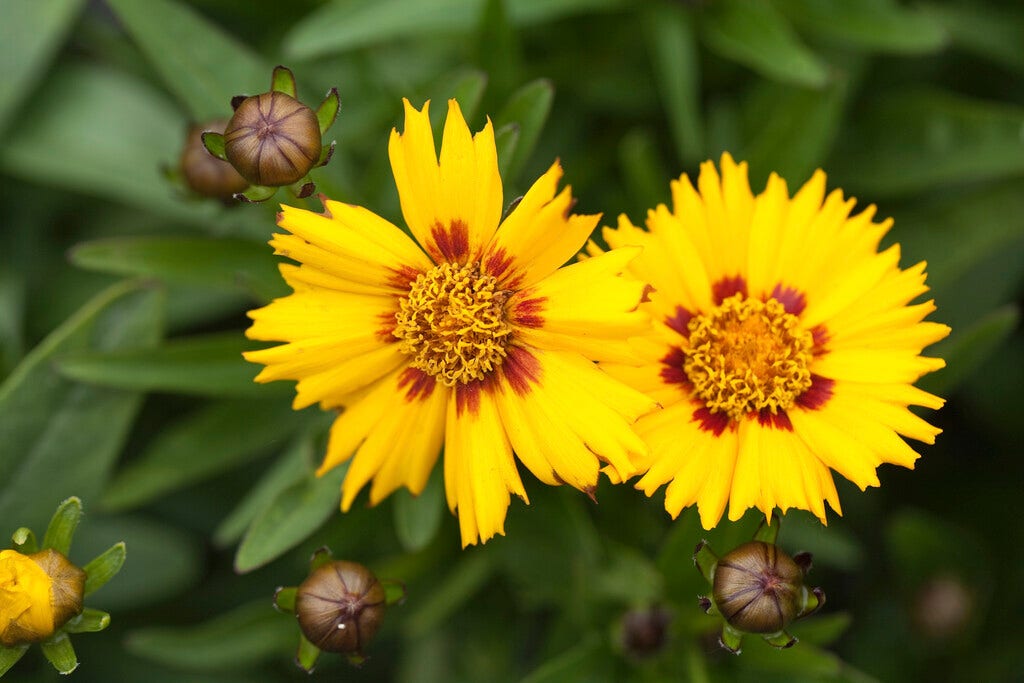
[326,113]
[321,556]
[674,54]
[342,26]
[62,526]
[89,621]
[249,634]
[882,25]
[283,80]
[466,86]
[295,514]
[966,350]
[643,170]
[209,365]
[165,562]
[24,541]
[987,30]
[418,518]
[59,438]
[225,264]
[506,139]
[30,32]
[111,133]
[214,144]
[200,63]
[9,656]
[212,440]
[284,598]
[572,665]
[529,108]
[59,652]
[754,33]
[496,49]
[307,654]
[292,466]
[909,141]
[103,568]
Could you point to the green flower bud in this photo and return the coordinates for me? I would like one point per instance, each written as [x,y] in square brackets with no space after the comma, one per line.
[204,173]
[340,606]
[273,139]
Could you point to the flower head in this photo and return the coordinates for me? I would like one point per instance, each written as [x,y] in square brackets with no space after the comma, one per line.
[786,345]
[467,336]
[26,601]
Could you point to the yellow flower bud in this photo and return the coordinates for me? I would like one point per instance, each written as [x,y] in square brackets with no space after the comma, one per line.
[38,594]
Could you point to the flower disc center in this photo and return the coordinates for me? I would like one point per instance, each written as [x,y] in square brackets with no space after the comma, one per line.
[748,355]
[453,323]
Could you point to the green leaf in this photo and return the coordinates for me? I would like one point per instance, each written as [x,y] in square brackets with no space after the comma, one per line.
[59,438]
[907,142]
[465,85]
[643,170]
[966,350]
[103,568]
[528,107]
[804,659]
[59,652]
[496,47]
[674,54]
[100,132]
[506,139]
[342,26]
[249,634]
[575,664]
[882,25]
[213,439]
[988,31]
[30,32]
[24,541]
[283,80]
[9,656]
[224,264]
[165,560]
[210,365]
[822,629]
[293,465]
[62,526]
[754,33]
[214,144]
[307,654]
[296,513]
[467,577]
[418,518]
[200,63]
[284,598]
[89,621]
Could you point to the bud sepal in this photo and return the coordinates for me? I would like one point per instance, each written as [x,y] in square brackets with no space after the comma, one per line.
[757,588]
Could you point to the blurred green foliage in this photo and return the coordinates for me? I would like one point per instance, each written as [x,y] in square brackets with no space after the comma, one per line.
[122,302]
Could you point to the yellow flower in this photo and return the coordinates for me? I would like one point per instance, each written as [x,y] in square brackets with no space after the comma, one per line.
[785,346]
[469,336]
[38,594]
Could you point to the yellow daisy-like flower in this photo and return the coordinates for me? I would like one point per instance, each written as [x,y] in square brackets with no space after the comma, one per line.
[469,336]
[785,345]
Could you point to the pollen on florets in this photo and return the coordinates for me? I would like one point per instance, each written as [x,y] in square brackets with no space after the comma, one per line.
[453,323]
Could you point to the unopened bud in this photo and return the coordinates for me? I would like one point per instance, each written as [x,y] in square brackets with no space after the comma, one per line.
[204,173]
[644,631]
[273,139]
[39,593]
[340,606]
[758,588]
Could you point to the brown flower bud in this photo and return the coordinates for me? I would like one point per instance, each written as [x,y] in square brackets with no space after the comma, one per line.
[758,588]
[204,173]
[644,631]
[272,139]
[340,606]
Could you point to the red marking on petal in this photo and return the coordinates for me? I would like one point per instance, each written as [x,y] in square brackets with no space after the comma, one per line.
[728,286]
[645,296]
[403,277]
[821,337]
[387,327]
[521,370]
[680,321]
[497,263]
[323,202]
[467,398]
[818,394]
[791,298]
[420,384]
[711,422]
[672,372]
[529,312]
[452,241]
[778,420]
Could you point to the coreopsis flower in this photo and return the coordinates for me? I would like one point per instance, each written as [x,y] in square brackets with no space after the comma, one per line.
[468,335]
[786,345]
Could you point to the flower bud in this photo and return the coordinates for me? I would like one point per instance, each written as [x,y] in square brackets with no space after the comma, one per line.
[39,593]
[758,588]
[273,139]
[204,173]
[340,606]
[644,631]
